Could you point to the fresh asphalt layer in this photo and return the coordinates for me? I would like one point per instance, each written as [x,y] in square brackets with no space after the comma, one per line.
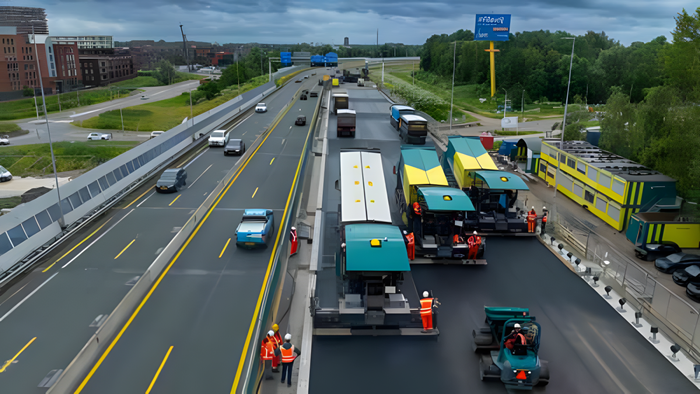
[57,305]
[204,304]
[589,346]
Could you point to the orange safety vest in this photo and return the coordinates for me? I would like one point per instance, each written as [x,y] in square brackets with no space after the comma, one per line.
[278,339]
[458,239]
[426,306]
[520,337]
[416,208]
[544,219]
[267,351]
[288,355]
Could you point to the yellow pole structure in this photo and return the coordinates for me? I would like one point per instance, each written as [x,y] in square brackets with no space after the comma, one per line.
[493,67]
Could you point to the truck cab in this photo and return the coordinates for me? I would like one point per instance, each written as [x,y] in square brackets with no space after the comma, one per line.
[397,111]
[413,129]
[346,122]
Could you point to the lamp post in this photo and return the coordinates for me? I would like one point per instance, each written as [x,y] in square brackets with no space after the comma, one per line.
[566,106]
[452,99]
[522,103]
[191,112]
[61,221]
[505,103]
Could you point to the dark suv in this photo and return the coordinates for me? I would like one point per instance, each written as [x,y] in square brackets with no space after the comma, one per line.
[171,180]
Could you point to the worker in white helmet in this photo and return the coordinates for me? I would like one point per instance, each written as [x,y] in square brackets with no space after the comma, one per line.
[474,243]
[531,220]
[289,353]
[515,337]
[545,217]
[267,354]
[427,304]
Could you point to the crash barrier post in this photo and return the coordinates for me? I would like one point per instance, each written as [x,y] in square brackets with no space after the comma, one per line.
[98,343]
[264,321]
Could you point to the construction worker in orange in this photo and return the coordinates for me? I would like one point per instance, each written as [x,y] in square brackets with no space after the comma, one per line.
[417,213]
[515,337]
[277,342]
[474,243]
[531,220]
[411,246]
[267,354]
[289,353]
[545,215]
[427,304]
[458,239]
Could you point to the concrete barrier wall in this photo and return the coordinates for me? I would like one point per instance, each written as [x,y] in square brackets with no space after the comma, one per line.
[115,323]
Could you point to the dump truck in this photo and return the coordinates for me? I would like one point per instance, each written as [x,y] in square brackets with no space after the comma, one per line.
[336,82]
[341,100]
[413,129]
[517,366]
[346,123]
[396,112]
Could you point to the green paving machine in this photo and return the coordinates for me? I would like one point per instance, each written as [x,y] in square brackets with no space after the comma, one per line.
[517,366]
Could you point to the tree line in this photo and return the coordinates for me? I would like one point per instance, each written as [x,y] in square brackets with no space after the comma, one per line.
[651,90]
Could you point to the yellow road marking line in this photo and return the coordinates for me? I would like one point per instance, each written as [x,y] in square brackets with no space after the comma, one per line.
[162,364]
[273,159]
[224,249]
[178,196]
[241,362]
[137,198]
[123,250]
[167,269]
[79,243]
[10,361]
[256,190]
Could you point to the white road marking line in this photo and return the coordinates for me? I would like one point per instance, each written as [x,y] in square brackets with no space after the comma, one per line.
[149,196]
[98,238]
[27,297]
[198,156]
[200,175]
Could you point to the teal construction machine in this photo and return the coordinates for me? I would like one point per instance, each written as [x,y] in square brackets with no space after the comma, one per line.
[519,367]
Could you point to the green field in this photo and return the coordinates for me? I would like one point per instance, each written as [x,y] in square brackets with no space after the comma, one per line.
[24,108]
[6,128]
[10,202]
[165,114]
[145,82]
[35,160]
[511,132]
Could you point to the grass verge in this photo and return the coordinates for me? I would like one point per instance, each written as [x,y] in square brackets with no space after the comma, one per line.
[6,128]
[10,202]
[510,132]
[24,108]
[145,82]
[35,159]
[164,114]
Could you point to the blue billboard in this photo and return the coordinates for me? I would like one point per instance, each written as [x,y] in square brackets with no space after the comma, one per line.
[492,27]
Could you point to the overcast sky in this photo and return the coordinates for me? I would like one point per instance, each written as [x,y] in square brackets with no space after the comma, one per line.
[292,21]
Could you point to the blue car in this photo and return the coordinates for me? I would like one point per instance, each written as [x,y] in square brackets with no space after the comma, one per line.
[257,228]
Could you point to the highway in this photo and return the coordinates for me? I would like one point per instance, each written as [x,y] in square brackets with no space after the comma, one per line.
[590,348]
[191,334]
[88,275]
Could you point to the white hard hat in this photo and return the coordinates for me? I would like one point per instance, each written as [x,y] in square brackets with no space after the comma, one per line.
[294,228]
[474,232]
[288,337]
[533,207]
[543,207]
[426,294]
[271,333]
[516,325]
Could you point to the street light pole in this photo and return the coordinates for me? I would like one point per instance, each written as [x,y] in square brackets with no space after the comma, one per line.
[62,220]
[522,103]
[452,99]
[191,112]
[566,106]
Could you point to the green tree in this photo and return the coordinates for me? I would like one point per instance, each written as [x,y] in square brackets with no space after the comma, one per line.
[27,91]
[210,89]
[165,72]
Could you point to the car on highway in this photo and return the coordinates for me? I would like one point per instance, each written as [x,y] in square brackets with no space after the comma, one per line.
[171,180]
[297,81]
[234,147]
[301,120]
[144,98]
[676,261]
[99,136]
[5,175]
[690,274]
[651,252]
[257,228]
[155,134]
[5,140]
[693,291]
[261,107]
[313,94]
[217,138]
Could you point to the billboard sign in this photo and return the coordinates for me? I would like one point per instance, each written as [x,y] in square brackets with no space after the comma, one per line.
[492,27]
[509,122]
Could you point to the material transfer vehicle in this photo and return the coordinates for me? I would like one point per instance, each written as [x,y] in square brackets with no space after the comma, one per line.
[234,147]
[5,140]
[171,180]
[5,175]
[676,261]
[99,136]
[257,228]
[217,138]
[517,366]
[651,252]
[261,107]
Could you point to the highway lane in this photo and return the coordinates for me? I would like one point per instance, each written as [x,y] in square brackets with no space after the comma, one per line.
[58,310]
[204,304]
[590,348]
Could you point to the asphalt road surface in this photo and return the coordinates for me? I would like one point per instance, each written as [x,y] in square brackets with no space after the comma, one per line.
[89,274]
[590,348]
[204,305]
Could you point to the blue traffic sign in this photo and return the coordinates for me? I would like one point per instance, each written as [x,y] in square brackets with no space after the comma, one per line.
[492,27]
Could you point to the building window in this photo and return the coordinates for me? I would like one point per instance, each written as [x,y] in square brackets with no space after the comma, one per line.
[543,167]
[570,162]
[589,196]
[578,190]
[562,158]
[618,186]
[604,180]
[581,167]
[601,204]
[614,212]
